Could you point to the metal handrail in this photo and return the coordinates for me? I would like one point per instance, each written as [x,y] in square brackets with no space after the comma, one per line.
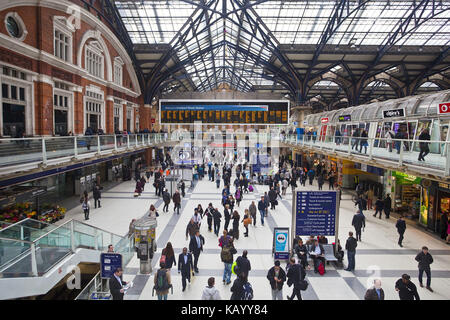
[21,221]
[18,240]
[81,222]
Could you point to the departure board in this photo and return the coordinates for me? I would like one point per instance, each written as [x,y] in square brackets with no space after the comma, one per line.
[224,112]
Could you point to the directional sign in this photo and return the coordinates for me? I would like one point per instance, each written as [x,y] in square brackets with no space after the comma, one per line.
[315,213]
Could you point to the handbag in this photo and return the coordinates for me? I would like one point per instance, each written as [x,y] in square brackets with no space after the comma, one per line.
[303,285]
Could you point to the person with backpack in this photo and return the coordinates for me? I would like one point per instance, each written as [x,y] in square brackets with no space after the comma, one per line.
[216,217]
[226,255]
[296,276]
[85,205]
[241,289]
[166,199]
[276,276]
[185,267]
[210,292]
[168,256]
[162,282]
[311,174]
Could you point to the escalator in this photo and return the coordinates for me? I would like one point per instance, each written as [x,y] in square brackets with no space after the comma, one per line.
[35,259]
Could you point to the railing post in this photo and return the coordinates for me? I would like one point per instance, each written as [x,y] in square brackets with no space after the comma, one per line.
[400,160]
[44,152]
[95,239]
[72,237]
[75,146]
[128,141]
[115,142]
[447,162]
[371,144]
[33,260]
[349,145]
[135,137]
[98,144]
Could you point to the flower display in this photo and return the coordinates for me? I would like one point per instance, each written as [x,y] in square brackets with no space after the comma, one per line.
[19,211]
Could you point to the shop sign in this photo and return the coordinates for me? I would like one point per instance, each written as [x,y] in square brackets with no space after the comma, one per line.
[444,185]
[345,117]
[444,108]
[324,120]
[394,113]
[404,178]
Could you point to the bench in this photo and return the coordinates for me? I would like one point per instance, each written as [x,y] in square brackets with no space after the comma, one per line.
[329,253]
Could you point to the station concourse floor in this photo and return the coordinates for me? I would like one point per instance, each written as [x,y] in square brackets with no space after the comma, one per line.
[378,255]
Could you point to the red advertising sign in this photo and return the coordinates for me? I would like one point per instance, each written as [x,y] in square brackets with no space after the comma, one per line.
[153,120]
[444,107]
[324,120]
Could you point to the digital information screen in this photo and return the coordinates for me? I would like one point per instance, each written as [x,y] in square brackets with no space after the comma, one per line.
[224,112]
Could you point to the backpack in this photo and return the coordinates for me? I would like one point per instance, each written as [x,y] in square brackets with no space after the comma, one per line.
[247,293]
[226,255]
[250,188]
[161,281]
[163,259]
[321,269]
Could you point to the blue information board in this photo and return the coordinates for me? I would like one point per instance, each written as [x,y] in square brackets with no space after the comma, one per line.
[108,263]
[315,213]
[281,243]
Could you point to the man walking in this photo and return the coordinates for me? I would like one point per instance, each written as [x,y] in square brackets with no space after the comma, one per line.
[376,292]
[276,277]
[296,274]
[176,201]
[216,217]
[226,255]
[350,246]
[252,210]
[379,204]
[166,199]
[406,289]
[401,228]
[359,221]
[387,205]
[425,259]
[262,209]
[185,266]
[196,247]
[243,264]
[272,198]
[97,196]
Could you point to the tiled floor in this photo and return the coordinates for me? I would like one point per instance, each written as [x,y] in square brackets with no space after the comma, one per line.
[377,256]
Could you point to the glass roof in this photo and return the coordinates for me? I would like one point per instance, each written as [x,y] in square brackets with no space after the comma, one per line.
[236,41]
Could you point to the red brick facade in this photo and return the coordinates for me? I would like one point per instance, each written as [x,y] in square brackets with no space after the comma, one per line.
[34,55]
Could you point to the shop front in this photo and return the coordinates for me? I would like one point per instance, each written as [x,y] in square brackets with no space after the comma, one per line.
[435,207]
[407,194]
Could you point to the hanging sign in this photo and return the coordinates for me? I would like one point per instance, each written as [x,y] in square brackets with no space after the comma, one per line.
[444,108]
[394,113]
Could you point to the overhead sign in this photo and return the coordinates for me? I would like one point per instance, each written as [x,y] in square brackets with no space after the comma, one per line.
[315,213]
[324,120]
[394,113]
[444,108]
[281,243]
[108,263]
[345,118]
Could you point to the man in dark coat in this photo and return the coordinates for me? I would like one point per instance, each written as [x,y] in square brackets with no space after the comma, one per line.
[97,196]
[216,217]
[424,149]
[425,259]
[295,275]
[166,199]
[176,201]
[376,292]
[350,246]
[116,285]
[272,198]
[387,205]
[185,266]
[196,247]
[243,264]
[401,228]
[276,277]
[359,221]
[379,205]
[406,289]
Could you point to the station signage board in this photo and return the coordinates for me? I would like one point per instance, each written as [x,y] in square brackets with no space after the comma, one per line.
[324,120]
[316,213]
[444,108]
[108,263]
[281,243]
[394,113]
[345,118]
